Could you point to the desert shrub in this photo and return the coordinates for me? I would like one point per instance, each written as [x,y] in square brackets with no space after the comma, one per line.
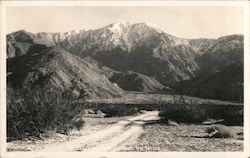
[233,115]
[219,132]
[181,110]
[118,110]
[78,122]
[34,111]
[184,113]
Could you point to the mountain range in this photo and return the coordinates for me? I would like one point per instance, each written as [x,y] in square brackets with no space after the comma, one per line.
[121,57]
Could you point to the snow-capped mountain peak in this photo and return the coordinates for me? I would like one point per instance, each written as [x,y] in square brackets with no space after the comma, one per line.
[119,28]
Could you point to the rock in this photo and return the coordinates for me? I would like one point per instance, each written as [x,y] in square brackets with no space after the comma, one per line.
[212,121]
[172,123]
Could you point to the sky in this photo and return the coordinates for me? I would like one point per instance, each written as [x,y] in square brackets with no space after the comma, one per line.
[181,21]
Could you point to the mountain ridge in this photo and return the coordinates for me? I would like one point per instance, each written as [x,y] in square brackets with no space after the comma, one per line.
[147,51]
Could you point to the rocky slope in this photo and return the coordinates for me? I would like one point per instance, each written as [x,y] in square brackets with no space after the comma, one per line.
[221,71]
[223,84]
[133,81]
[225,51]
[53,67]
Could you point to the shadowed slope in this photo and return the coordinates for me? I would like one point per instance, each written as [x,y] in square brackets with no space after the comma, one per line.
[53,67]
[133,81]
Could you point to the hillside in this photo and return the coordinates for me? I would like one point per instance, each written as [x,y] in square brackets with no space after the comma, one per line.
[55,68]
[221,71]
[133,81]
[225,51]
[226,84]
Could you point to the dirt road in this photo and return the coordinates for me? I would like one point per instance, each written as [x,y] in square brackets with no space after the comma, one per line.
[108,139]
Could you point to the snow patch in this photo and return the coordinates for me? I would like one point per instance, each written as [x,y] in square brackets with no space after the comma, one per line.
[117,30]
[118,27]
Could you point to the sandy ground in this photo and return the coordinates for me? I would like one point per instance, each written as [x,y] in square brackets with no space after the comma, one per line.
[132,133]
[103,139]
[108,138]
[164,138]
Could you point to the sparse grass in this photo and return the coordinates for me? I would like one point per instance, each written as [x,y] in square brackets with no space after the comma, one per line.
[159,137]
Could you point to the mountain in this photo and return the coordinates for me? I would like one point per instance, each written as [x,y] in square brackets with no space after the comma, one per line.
[225,51]
[137,47]
[53,67]
[19,42]
[226,84]
[140,54]
[140,48]
[133,81]
[221,71]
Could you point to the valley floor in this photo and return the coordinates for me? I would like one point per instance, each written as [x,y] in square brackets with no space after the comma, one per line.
[133,133]
[159,137]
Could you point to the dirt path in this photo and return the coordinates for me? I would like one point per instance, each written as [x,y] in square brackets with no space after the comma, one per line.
[108,139]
